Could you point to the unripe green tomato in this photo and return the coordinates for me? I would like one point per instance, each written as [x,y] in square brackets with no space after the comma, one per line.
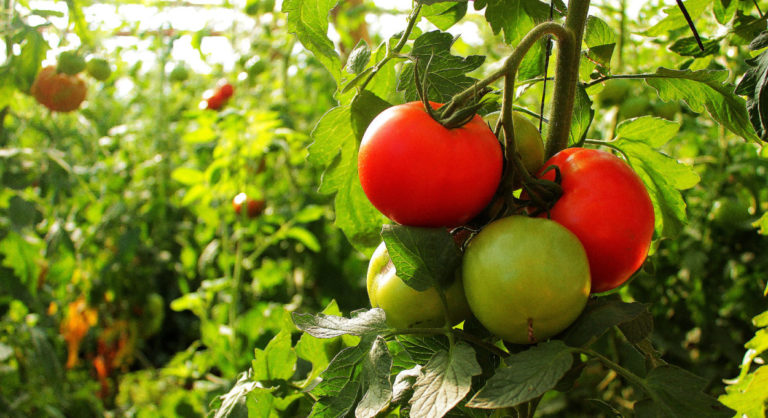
[406,307]
[527,139]
[98,68]
[179,73]
[731,213]
[526,279]
[70,62]
[614,92]
[634,107]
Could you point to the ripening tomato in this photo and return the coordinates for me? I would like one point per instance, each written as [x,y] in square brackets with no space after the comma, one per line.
[606,205]
[59,92]
[405,306]
[419,173]
[215,101]
[525,279]
[528,140]
[254,207]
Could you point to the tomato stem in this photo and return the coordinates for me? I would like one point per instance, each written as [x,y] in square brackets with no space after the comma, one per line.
[566,77]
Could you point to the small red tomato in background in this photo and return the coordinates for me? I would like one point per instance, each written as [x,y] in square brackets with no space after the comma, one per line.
[217,98]
[215,102]
[419,173]
[605,204]
[254,207]
[226,90]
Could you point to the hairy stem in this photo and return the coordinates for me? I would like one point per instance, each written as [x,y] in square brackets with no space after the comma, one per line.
[566,77]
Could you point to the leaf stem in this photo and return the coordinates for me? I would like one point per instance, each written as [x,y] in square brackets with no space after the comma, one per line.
[631,377]
[626,76]
[395,51]
[513,61]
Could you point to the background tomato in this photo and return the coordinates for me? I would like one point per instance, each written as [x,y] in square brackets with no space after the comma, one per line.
[525,279]
[98,68]
[406,307]
[70,62]
[226,90]
[254,207]
[58,91]
[419,173]
[527,139]
[179,73]
[607,206]
[614,92]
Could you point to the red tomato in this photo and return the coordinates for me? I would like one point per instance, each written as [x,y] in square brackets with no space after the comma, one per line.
[419,173]
[215,102]
[226,90]
[606,205]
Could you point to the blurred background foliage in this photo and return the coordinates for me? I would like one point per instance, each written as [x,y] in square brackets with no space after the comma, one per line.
[129,285]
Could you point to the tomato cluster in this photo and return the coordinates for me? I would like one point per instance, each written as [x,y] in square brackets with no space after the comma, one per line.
[217,98]
[526,276]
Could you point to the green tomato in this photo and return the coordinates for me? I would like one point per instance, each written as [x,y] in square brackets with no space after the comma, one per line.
[614,92]
[179,73]
[406,307]
[526,279]
[70,62]
[731,213]
[527,139]
[98,68]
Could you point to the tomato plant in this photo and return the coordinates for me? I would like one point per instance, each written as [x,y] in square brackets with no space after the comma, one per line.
[406,307]
[420,173]
[57,91]
[608,208]
[512,292]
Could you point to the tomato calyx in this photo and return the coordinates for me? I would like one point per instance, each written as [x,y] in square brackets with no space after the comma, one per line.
[453,115]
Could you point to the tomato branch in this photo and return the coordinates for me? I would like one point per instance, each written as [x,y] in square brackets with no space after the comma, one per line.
[395,51]
[625,76]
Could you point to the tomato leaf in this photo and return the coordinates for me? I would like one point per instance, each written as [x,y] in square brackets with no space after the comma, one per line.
[675,18]
[445,73]
[276,361]
[233,403]
[423,257]
[678,393]
[688,47]
[26,65]
[404,382]
[598,317]
[370,322]
[421,349]
[662,175]
[339,388]
[445,14]
[22,255]
[444,381]
[583,114]
[747,393]
[336,137]
[376,384]
[705,90]
[318,351]
[600,40]
[528,374]
[308,20]
[359,57]
[516,18]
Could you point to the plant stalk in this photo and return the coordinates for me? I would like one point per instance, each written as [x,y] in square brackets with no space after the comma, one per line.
[566,78]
